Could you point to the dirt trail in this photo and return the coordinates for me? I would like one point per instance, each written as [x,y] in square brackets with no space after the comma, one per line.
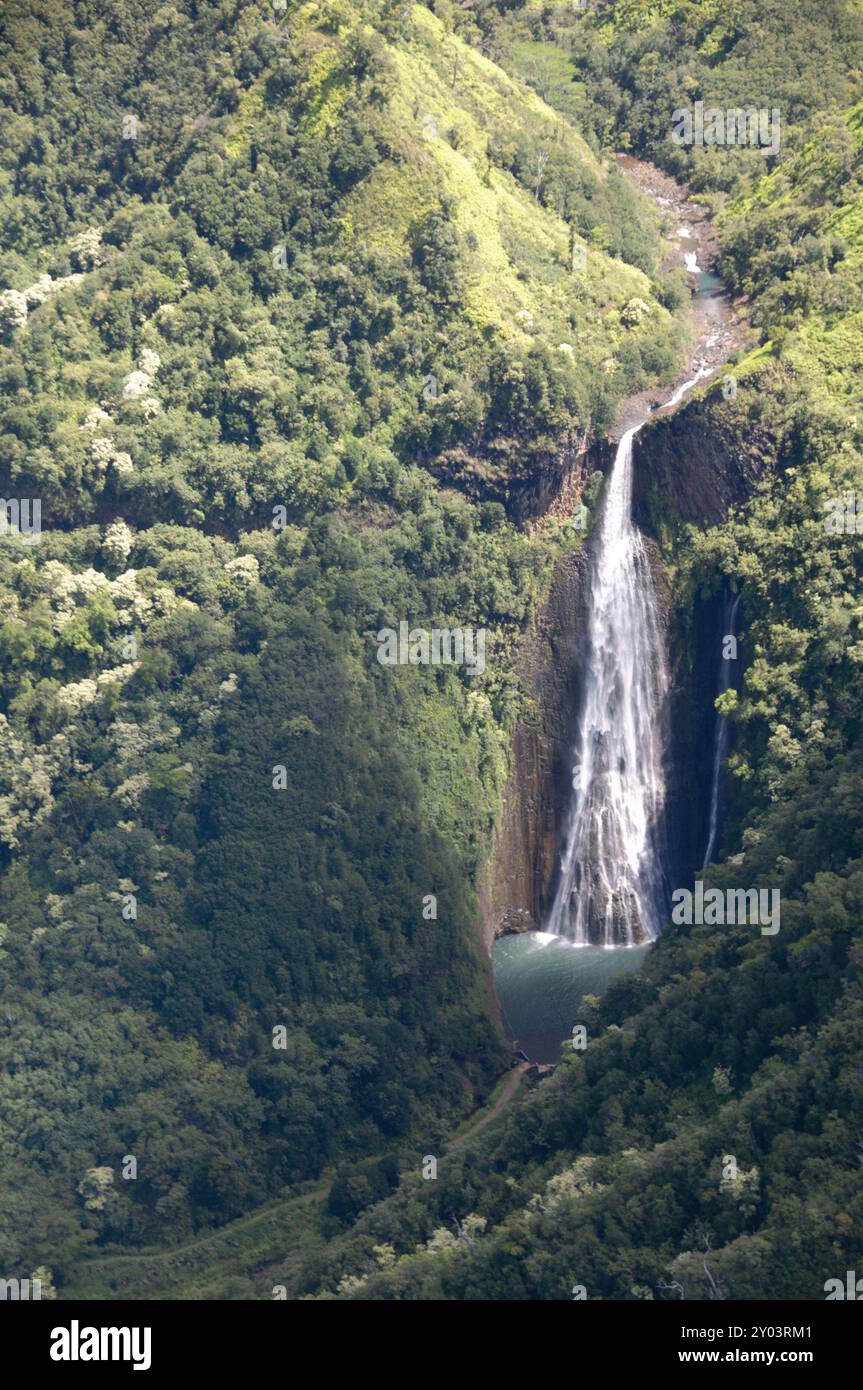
[159,1273]
[506,1095]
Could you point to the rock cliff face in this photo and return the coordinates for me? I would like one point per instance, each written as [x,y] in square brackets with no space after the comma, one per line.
[514,892]
[692,466]
[693,643]
[528,486]
[689,467]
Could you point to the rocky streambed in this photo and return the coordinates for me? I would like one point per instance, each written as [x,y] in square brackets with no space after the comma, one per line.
[718,324]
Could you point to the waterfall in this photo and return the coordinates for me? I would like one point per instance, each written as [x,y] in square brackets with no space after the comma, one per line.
[611,886]
[720,737]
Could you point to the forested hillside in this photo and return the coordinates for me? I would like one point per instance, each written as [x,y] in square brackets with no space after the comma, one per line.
[296,304]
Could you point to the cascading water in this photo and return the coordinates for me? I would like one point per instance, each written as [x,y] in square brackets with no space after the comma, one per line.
[610,890]
[720,738]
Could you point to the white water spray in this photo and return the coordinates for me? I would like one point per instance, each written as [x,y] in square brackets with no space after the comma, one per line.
[611,886]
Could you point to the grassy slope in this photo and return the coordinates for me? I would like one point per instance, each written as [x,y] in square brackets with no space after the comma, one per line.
[827,348]
[519,256]
[518,264]
[824,349]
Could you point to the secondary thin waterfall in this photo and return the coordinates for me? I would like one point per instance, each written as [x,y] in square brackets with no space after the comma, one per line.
[720,737]
[611,885]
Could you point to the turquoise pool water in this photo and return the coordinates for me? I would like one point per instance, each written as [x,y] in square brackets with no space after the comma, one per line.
[541,980]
